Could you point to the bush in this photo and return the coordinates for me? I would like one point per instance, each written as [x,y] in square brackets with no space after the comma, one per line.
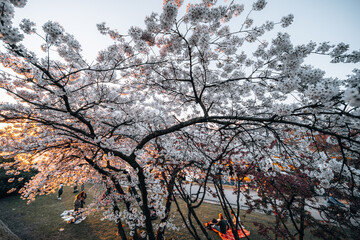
[6,186]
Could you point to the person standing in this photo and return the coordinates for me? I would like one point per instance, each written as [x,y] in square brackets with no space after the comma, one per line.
[77,203]
[60,191]
[75,189]
[83,196]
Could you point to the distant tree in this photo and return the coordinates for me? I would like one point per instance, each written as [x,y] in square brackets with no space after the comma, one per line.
[286,195]
[181,96]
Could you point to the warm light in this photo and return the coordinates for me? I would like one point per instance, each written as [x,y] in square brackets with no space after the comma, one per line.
[3,126]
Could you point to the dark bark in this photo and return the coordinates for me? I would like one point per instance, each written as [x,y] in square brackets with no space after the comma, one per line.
[120,229]
[145,204]
[170,191]
[302,219]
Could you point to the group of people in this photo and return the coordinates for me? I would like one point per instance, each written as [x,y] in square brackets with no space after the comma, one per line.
[79,201]
[222,225]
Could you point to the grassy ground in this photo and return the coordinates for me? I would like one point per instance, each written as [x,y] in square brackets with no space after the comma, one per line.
[41,220]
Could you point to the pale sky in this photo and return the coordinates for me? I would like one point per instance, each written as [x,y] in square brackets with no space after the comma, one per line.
[317,20]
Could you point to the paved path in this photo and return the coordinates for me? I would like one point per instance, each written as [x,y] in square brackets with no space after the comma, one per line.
[232,198]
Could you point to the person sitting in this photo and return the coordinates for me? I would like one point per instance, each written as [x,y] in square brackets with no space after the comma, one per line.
[76,214]
[221,225]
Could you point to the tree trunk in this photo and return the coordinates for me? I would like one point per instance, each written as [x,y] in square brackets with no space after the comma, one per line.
[170,190]
[199,223]
[146,211]
[302,219]
[120,229]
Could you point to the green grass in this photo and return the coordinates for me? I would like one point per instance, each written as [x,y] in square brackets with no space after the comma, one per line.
[41,220]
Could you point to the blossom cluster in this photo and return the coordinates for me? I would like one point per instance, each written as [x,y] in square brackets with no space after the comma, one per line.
[352,96]
[197,13]
[259,5]
[287,20]
[27,26]
[8,33]
[168,16]
[54,31]
[322,92]
[19,3]
[151,23]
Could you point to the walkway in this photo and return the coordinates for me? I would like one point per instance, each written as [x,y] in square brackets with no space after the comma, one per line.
[232,198]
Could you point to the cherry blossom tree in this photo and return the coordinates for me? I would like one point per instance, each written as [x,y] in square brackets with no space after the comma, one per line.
[181,96]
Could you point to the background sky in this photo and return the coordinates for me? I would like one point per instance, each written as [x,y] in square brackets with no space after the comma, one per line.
[315,20]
